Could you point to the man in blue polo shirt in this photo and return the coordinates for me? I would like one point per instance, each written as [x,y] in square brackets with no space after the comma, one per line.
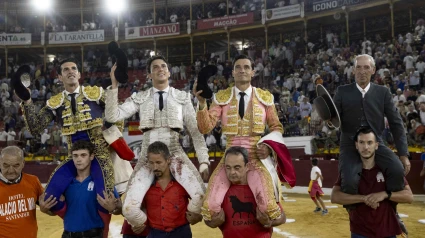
[81,216]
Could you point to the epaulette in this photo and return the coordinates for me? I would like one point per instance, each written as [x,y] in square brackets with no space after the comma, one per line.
[55,101]
[92,93]
[265,97]
[223,97]
[180,96]
[141,97]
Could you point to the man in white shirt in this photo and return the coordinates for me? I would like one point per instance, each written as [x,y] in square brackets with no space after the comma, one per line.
[11,137]
[420,67]
[414,80]
[399,97]
[210,141]
[3,135]
[422,112]
[408,62]
[173,18]
[297,81]
[44,138]
[305,108]
[183,72]
[315,188]
[421,98]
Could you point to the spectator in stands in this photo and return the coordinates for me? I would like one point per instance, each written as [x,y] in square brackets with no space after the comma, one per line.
[399,97]
[3,136]
[222,8]
[44,138]
[210,140]
[18,187]
[422,112]
[408,63]
[4,94]
[186,142]
[173,18]
[183,71]
[421,98]
[305,108]
[11,137]
[414,79]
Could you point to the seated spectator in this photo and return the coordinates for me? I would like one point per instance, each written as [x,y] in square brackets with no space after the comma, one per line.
[173,18]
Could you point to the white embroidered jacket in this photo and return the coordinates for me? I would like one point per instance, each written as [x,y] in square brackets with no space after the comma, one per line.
[179,112]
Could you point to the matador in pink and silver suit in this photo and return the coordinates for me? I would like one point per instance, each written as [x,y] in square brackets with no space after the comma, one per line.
[247,132]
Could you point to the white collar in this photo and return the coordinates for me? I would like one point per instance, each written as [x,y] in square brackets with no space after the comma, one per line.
[157,90]
[77,91]
[2,178]
[365,89]
[248,91]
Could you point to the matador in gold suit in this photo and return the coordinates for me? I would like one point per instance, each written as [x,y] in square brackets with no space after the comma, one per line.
[80,115]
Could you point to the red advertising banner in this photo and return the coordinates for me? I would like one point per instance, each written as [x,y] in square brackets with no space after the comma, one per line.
[152,31]
[225,21]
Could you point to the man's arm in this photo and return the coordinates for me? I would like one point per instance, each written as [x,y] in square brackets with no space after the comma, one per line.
[189,120]
[339,197]
[36,122]
[207,119]
[115,112]
[319,176]
[403,196]
[216,220]
[273,119]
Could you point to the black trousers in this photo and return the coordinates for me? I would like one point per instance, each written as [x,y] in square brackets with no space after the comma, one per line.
[350,168]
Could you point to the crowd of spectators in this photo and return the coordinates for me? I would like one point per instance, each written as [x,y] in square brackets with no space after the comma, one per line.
[284,69]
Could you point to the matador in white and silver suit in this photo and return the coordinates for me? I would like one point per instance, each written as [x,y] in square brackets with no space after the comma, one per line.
[163,111]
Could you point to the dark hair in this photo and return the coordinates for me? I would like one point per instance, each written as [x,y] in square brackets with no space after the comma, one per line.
[69,60]
[150,60]
[364,130]
[159,147]
[243,57]
[83,145]
[237,150]
[314,161]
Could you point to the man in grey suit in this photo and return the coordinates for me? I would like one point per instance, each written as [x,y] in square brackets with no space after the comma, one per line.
[366,104]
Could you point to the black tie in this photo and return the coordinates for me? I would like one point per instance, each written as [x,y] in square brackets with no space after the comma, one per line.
[161,100]
[242,104]
[73,103]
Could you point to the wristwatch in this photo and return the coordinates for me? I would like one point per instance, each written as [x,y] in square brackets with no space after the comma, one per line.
[389,194]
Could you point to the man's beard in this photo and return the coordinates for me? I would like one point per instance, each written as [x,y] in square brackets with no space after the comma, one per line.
[158,174]
[371,155]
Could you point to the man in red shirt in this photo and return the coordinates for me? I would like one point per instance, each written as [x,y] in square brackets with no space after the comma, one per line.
[240,216]
[166,200]
[374,215]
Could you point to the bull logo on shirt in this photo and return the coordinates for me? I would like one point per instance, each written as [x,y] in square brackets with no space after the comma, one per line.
[380,177]
[240,207]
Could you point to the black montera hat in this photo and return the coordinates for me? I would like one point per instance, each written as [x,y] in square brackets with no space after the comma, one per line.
[203,76]
[21,80]
[120,58]
[326,108]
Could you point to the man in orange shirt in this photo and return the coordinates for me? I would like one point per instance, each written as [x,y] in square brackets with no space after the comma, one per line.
[19,192]
[166,200]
